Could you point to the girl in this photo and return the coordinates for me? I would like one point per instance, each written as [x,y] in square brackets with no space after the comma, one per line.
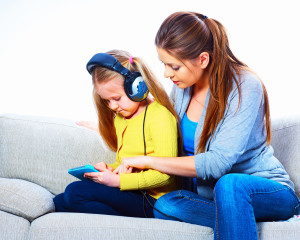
[130,127]
[225,120]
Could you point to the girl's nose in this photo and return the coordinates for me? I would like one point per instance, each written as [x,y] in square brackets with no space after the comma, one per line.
[113,105]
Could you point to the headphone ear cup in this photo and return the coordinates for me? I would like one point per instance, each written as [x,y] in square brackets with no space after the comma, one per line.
[135,87]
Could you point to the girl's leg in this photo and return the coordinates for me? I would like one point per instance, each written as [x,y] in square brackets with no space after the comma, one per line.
[91,197]
[242,199]
[186,206]
[59,203]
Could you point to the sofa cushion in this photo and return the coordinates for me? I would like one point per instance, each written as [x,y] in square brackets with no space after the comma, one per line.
[13,227]
[278,230]
[42,149]
[24,199]
[77,226]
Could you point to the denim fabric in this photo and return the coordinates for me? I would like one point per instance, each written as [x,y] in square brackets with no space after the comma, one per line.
[90,197]
[239,201]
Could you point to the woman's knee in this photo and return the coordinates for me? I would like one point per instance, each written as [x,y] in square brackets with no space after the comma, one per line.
[229,187]
[166,206]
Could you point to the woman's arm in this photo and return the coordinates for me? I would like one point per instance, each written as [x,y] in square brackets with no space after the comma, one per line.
[180,166]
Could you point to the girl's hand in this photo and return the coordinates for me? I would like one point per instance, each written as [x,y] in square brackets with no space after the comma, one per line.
[128,163]
[107,178]
[89,124]
[103,167]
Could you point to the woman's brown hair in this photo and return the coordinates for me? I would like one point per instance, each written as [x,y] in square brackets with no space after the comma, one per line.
[106,115]
[185,35]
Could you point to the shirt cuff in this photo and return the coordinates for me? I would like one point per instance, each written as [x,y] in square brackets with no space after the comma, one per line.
[129,181]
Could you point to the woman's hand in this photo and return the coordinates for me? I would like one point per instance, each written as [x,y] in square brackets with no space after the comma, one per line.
[103,167]
[107,178]
[128,163]
[121,169]
[89,124]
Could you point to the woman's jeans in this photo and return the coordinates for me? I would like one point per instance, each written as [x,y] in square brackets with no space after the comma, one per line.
[91,197]
[239,201]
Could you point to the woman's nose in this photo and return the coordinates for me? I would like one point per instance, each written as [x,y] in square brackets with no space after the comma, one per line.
[168,72]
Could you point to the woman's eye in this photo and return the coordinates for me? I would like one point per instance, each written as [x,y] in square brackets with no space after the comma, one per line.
[117,99]
[175,68]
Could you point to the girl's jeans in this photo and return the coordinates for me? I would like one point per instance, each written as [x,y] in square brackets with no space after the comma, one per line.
[239,201]
[90,197]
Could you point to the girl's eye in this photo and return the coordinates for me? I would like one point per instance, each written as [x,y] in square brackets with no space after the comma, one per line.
[175,68]
[117,99]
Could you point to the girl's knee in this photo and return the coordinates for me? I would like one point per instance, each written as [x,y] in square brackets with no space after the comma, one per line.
[75,191]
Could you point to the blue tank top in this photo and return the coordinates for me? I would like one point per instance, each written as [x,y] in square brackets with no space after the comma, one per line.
[188,129]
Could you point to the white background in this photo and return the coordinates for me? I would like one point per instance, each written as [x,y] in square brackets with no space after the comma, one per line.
[45,45]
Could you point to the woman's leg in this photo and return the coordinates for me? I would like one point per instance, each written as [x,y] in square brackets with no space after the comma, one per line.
[186,206]
[242,199]
[91,197]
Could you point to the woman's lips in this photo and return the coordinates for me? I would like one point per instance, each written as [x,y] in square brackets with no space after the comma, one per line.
[175,82]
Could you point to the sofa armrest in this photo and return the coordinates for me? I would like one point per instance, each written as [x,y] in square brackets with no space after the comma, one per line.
[286,144]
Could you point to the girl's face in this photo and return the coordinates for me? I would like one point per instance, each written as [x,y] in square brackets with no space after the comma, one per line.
[113,92]
[183,73]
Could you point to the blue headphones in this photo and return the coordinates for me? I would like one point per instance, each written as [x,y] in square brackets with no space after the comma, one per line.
[134,84]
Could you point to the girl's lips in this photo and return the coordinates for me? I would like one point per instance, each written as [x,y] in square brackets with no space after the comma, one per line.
[175,82]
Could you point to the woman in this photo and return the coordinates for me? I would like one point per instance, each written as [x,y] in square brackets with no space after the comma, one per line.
[225,123]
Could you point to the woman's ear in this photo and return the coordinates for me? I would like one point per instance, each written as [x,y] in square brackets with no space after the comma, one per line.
[203,60]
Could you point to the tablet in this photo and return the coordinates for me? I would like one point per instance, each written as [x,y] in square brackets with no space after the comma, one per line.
[79,171]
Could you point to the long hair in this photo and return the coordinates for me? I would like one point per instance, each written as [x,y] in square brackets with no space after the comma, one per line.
[185,35]
[106,115]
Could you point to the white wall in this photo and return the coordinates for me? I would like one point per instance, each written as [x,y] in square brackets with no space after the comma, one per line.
[44,47]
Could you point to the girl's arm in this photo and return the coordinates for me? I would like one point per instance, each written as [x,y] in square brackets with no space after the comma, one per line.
[161,134]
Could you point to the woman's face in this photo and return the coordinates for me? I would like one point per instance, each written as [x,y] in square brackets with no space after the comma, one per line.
[113,92]
[183,73]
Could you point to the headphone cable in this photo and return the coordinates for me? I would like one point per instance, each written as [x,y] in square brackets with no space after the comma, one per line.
[144,192]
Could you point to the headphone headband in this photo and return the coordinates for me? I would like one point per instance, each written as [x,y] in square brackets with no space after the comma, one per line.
[107,61]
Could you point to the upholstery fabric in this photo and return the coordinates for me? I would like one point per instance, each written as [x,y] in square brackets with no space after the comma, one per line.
[42,149]
[25,199]
[278,230]
[77,226]
[286,144]
[13,227]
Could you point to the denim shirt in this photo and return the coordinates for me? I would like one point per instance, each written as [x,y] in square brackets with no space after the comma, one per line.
[239,143]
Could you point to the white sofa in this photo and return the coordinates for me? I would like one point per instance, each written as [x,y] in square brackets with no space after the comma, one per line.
[36,153]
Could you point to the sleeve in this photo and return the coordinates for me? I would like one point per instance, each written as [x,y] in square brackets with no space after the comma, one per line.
[114,165]
[163,131]
[233,132]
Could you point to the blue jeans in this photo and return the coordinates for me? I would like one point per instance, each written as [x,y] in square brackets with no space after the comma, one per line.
[90,197]
[239,201]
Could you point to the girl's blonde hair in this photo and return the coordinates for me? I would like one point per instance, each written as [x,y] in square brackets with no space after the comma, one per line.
[105,114]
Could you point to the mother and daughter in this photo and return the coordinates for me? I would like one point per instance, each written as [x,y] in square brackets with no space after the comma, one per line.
[218,137]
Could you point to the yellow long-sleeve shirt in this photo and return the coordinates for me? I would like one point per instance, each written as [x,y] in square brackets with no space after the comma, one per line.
[161,141]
